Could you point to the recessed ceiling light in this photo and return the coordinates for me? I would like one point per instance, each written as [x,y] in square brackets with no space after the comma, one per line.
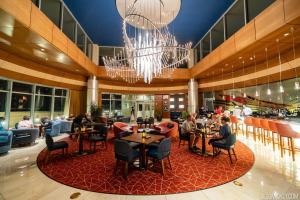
[286,34]
[46,59]
[42,49]
[77,70]
[226,65]
[251,58]
[240,57]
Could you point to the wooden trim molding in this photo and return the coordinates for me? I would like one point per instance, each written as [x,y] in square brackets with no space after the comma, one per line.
[260,74]
[154,90]
[4,65]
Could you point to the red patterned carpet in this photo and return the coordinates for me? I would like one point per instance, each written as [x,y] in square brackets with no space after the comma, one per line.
[190,172]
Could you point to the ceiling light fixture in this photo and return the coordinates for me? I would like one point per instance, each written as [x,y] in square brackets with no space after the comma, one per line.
[150,49]
[297,84]
[256,91]
[281,89]
[269,92]
[244,89]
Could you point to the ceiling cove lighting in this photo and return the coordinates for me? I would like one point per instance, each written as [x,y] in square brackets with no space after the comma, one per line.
[150,49]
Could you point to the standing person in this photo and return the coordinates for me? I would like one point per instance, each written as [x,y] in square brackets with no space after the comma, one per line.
[132,117]
[25,123]
[237,112]
[188,128]
[246,111]
[218,110]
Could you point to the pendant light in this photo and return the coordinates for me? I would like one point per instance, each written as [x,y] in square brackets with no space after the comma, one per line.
[281,89]
[223,93]
[244,89]
[233,93]
[213,88]
[297,84]
[256,91]
[269,92]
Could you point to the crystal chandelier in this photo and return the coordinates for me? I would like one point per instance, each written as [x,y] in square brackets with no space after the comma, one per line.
[150,49]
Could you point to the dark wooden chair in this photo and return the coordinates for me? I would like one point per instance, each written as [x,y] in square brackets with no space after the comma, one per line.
[228,145]
[51,146]
[159,153]
[100,136]
[124,152]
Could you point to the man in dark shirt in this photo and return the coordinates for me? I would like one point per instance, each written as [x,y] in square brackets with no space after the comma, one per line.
[224,131]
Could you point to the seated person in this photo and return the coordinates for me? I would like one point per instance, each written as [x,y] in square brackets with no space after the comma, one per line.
[46,122]
[25,123]
[226,113]
[188,127]
[2,119]
[224,131]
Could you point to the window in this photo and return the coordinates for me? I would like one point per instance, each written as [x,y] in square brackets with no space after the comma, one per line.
[256,7]
[3,96]
[43,90]
[52,8]
[20,102]
[80,39]
[3,85]
[60,92]
[103,52]
[205,45]
[181,106]
[172,106]
[42,103]
[89,48]
[21,87]
[69,25]
[217,34]
[59,104]
[235,18]
[36,2]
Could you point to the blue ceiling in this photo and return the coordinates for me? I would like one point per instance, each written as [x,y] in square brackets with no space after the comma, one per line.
[102,22]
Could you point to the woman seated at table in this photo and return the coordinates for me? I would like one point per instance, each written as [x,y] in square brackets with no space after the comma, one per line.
[189,128]
[224,131]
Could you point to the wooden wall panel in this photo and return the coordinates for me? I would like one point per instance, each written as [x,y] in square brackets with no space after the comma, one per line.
[271,19]
[245,36]
[20,9]
[292,11]
[228,48]
[77,102]
[41,24]
[60,40]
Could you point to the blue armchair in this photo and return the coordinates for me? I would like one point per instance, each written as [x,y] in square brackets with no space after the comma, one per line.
[227,145]
[5,141]
[54,130]
[124,152]
[161,152]
[65,126]
[24,136]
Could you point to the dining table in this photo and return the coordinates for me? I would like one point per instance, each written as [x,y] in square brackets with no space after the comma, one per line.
[143,141]
[81,133]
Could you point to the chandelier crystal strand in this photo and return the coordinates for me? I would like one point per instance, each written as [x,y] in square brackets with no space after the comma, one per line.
[151,52]
[281,88]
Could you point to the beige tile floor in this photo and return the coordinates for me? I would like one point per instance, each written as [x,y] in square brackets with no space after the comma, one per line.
[271,176]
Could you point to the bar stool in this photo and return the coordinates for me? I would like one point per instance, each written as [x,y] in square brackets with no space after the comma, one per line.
[285,131]
[234,124]
[273,129]
[265,130]
[248,123]
[257,128]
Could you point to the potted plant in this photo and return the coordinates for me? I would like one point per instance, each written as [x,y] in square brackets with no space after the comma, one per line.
[158,115]
[95,111]
[184,115]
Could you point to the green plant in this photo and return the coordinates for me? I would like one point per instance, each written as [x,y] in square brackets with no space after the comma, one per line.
[95,111]
[157,113]
[184,114]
